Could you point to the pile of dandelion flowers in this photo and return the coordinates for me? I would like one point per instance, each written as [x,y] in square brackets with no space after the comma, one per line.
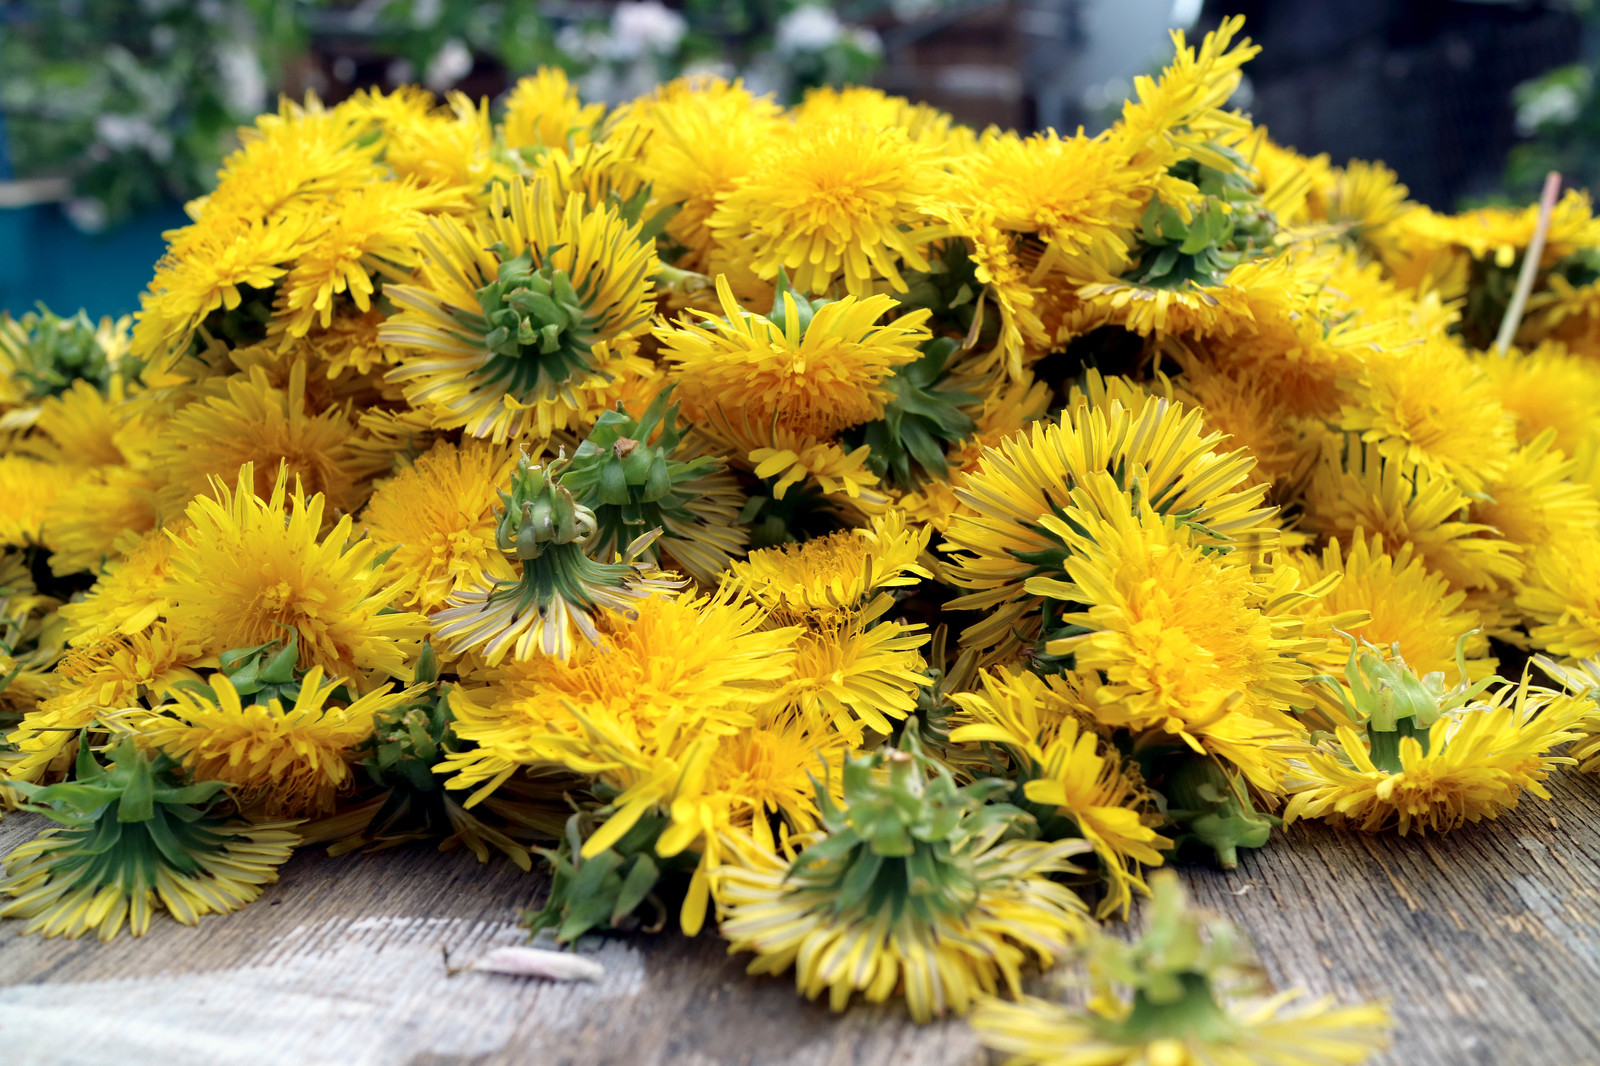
[283,761]
[814,368]
[514,317]
[241,571]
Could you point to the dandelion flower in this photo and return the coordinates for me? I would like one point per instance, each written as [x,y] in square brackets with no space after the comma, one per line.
[244,570]
[543,111]
[132,835]
[510,322]
[439,516]
[847,202]
[812,369]
[561,588]
[29,488]
[284,761]
[1194,997]
[844,912]
[256,422]
[1160,450]
[1069,772]
[1419,756]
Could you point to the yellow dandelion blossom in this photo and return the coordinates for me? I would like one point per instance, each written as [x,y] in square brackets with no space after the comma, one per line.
[1470,765]
[243,571]
[1075,194]
[1254,417]
[813,377]
[282,761]
[1162,448]
[1406,604]
[1561,596]
[874,107]
[29,489]
[256,422]
[450,145]
[683,666]
[1067,769]
[829,575]
[208,270]
[1502,234]
[543,111]
[1536,501]
[1000,264]
[1189,992]
[102,680]
[303,151]
[1549,388]
[1430,404]
[792,458]
[131,593]
[1354,488]
[846,202]
[510,324]
[1366,199]
[1179,115]
[1191,643]
[368,236]
[861,672]
[85,523]
[439,515]
[766,775]
[87,427]
[939,914]
[706,135]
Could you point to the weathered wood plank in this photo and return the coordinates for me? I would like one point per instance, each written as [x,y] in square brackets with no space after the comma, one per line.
[1486,940]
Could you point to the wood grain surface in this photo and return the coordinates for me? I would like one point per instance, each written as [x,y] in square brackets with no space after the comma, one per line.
[1487,941]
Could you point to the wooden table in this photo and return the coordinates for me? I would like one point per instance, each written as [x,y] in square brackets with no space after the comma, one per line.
[1486,941]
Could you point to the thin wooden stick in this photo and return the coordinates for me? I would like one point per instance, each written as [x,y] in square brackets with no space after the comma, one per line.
[1530,265]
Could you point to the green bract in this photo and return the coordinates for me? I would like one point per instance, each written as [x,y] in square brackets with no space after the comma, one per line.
[626,475]
[536,324]
[905,837]
[134,832]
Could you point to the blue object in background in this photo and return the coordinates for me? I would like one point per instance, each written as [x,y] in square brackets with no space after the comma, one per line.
[44,258]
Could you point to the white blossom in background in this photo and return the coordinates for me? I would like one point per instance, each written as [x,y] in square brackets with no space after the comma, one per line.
[424,13]
[866,39]
[244,82]
[87,214]
[452,63]
[809,28]
[648,28]
[123,133]
[583,45]
[1557,103]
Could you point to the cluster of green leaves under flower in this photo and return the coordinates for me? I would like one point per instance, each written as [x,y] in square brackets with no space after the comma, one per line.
[1228,226]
